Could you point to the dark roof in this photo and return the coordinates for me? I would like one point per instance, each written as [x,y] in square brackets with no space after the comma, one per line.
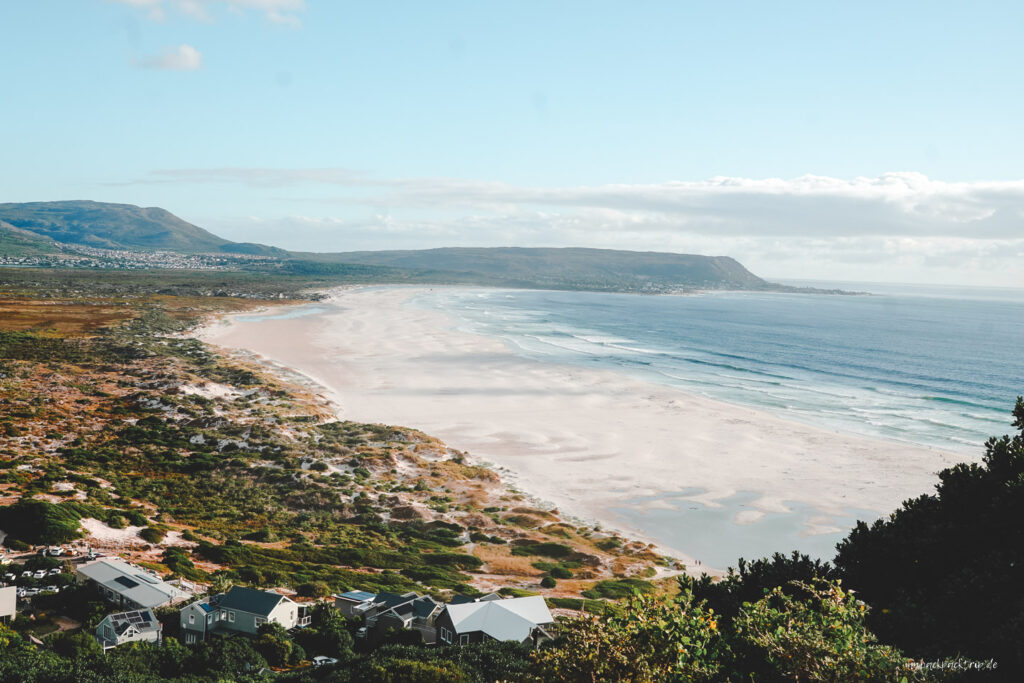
[390,600]
[250,600]
[461,599]
[424,607]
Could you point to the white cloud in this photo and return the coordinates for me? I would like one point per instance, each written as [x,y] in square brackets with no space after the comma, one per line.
[892,204]
[896,227]
[179,58]
[277,11]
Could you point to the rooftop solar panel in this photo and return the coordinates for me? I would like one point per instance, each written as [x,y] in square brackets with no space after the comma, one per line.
[126,582]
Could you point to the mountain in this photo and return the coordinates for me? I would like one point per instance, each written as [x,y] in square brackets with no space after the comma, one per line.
[564,267]
[120,226]
[43,227]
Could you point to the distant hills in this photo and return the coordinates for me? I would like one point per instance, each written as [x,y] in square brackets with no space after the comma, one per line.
[121,226]
[43,227]
[574,267]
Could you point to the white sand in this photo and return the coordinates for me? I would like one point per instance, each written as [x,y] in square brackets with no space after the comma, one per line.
[99,533]
[581,439]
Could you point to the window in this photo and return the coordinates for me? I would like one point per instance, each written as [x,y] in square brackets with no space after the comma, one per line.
[231,616]
[464,639]
[223,614]
[191,618]
[260,621]
[446,635]
[209,618]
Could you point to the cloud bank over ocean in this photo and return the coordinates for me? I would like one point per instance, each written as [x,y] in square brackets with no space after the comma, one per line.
[812,226]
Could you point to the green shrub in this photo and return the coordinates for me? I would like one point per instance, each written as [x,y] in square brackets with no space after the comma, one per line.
[560,572]
[152,534]
[555,550]
[548,582]
[38,522]
[617,589]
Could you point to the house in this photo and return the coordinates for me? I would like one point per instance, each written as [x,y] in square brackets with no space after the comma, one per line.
[354,603]
[8,603]
[129,586]
[128,627]
[240,610]
[516,619]
[405,612]
[399,611]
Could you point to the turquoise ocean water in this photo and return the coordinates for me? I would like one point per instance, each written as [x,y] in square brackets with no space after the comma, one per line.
[934,366]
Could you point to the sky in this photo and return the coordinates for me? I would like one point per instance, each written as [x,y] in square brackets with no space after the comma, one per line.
[870,141]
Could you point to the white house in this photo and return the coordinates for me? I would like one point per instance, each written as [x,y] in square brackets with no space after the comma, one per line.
[128,627]
[8,603]
[516,619]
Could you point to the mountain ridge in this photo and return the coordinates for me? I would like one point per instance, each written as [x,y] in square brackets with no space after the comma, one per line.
[46,226]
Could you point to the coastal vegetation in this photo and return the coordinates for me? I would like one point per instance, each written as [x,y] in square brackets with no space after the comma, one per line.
[119,431]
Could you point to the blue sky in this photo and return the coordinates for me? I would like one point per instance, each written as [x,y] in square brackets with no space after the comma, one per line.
[856,140]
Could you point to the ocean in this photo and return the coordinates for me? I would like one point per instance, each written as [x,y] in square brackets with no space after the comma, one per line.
[931,366]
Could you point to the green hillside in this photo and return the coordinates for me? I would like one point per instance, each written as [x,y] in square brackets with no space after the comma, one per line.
[15,242]
[574,267]
[119,226]
[33,228]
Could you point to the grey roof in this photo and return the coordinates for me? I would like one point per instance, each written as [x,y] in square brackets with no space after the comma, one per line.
[132,583]
[511,619]
[250,600]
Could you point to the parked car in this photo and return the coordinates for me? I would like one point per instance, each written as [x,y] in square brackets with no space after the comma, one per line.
[40,574]
[50,589]
[27,574]
[9,577]
[324,661]
[55,571]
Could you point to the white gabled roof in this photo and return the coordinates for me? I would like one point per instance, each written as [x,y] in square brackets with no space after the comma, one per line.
[511,619]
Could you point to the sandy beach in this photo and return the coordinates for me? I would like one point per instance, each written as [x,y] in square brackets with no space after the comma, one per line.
[580,439]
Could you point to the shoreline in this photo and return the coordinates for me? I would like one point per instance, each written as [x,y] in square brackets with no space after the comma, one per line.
[584,440]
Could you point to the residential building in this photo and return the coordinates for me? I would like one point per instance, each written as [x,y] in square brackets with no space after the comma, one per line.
[8,603]
[354,603]
[398,611]
[128,627]
[405,612]
[129,586]
[240,610]
[515,619]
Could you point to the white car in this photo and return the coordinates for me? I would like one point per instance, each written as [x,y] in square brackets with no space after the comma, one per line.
[55,571]
[40,574]
[50,589]
[9,577]
[324,661]
[27,574]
